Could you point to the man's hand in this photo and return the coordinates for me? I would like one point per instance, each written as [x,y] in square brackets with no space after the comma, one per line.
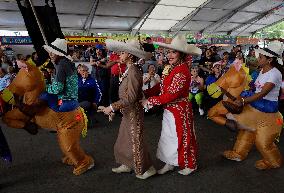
[238,102]
[101,109]
[107,110]
[233,107]
[98,63]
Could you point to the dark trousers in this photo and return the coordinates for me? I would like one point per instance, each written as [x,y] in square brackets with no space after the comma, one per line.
[103,84]
[113,89]
[86,105]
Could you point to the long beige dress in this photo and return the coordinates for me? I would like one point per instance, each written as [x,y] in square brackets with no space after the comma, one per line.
[130,148]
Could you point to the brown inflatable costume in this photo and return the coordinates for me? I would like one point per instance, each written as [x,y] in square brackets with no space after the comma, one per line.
[264,127]
[29,84]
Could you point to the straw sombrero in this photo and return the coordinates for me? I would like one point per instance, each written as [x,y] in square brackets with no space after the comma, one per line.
[58,47]
[180,44]
[131,46]
[274,49]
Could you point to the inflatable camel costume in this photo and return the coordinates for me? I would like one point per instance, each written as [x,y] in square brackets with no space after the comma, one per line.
[29,84]
[257,127]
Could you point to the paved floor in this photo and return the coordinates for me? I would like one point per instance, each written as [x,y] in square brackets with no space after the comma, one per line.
[37,168]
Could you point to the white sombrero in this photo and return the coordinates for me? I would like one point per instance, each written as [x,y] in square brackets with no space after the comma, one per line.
[131,47]
[58,47]
[180,44]
[274,49]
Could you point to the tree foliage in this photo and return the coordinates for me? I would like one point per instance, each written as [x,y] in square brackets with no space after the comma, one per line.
[275,31]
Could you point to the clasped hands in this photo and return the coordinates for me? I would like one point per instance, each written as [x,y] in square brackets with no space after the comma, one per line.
[144,103]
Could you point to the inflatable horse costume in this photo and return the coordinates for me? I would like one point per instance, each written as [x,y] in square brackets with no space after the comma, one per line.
[257,127]
[29,84]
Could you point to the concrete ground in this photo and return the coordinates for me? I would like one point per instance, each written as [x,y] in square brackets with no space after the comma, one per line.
[37,166]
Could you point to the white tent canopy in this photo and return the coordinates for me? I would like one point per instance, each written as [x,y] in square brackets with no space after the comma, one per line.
[236,17]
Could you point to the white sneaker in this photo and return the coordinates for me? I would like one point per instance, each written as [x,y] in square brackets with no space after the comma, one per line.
[201,111]
[166,168]
[121,169]
[150,172]
[186,171]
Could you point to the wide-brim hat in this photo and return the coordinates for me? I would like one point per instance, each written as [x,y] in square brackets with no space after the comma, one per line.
[274,49]
[132,47]
[58,47]
[179,43]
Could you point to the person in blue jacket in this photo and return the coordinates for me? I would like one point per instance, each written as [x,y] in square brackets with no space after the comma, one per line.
[89,93]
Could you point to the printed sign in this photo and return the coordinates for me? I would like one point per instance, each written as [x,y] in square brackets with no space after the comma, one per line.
[85,40]
[247,40]
[16,40]
[224,40]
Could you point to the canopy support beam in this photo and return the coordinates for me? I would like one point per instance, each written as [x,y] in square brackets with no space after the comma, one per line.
[91,15]
[228,16]
[254,20]
[143,18]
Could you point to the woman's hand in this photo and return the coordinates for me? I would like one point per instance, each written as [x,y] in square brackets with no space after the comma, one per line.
[107,110]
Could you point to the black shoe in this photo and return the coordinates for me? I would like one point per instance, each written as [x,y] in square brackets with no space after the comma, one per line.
[231,125]
[31,128]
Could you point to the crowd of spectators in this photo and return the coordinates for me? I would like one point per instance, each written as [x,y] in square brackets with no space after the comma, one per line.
[99,85]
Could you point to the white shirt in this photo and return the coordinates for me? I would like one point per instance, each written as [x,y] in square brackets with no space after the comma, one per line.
[273,76]
[152,82]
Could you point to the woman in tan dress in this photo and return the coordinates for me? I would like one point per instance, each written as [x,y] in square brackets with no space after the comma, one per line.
[130,150]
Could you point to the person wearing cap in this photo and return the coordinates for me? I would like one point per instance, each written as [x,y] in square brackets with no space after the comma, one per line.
[117,69]
[130,150]
[265,100]
[99,72]
[216,72]
[177,145]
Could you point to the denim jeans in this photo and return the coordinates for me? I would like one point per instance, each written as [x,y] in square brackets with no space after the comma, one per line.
[65,106]
[262,105]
